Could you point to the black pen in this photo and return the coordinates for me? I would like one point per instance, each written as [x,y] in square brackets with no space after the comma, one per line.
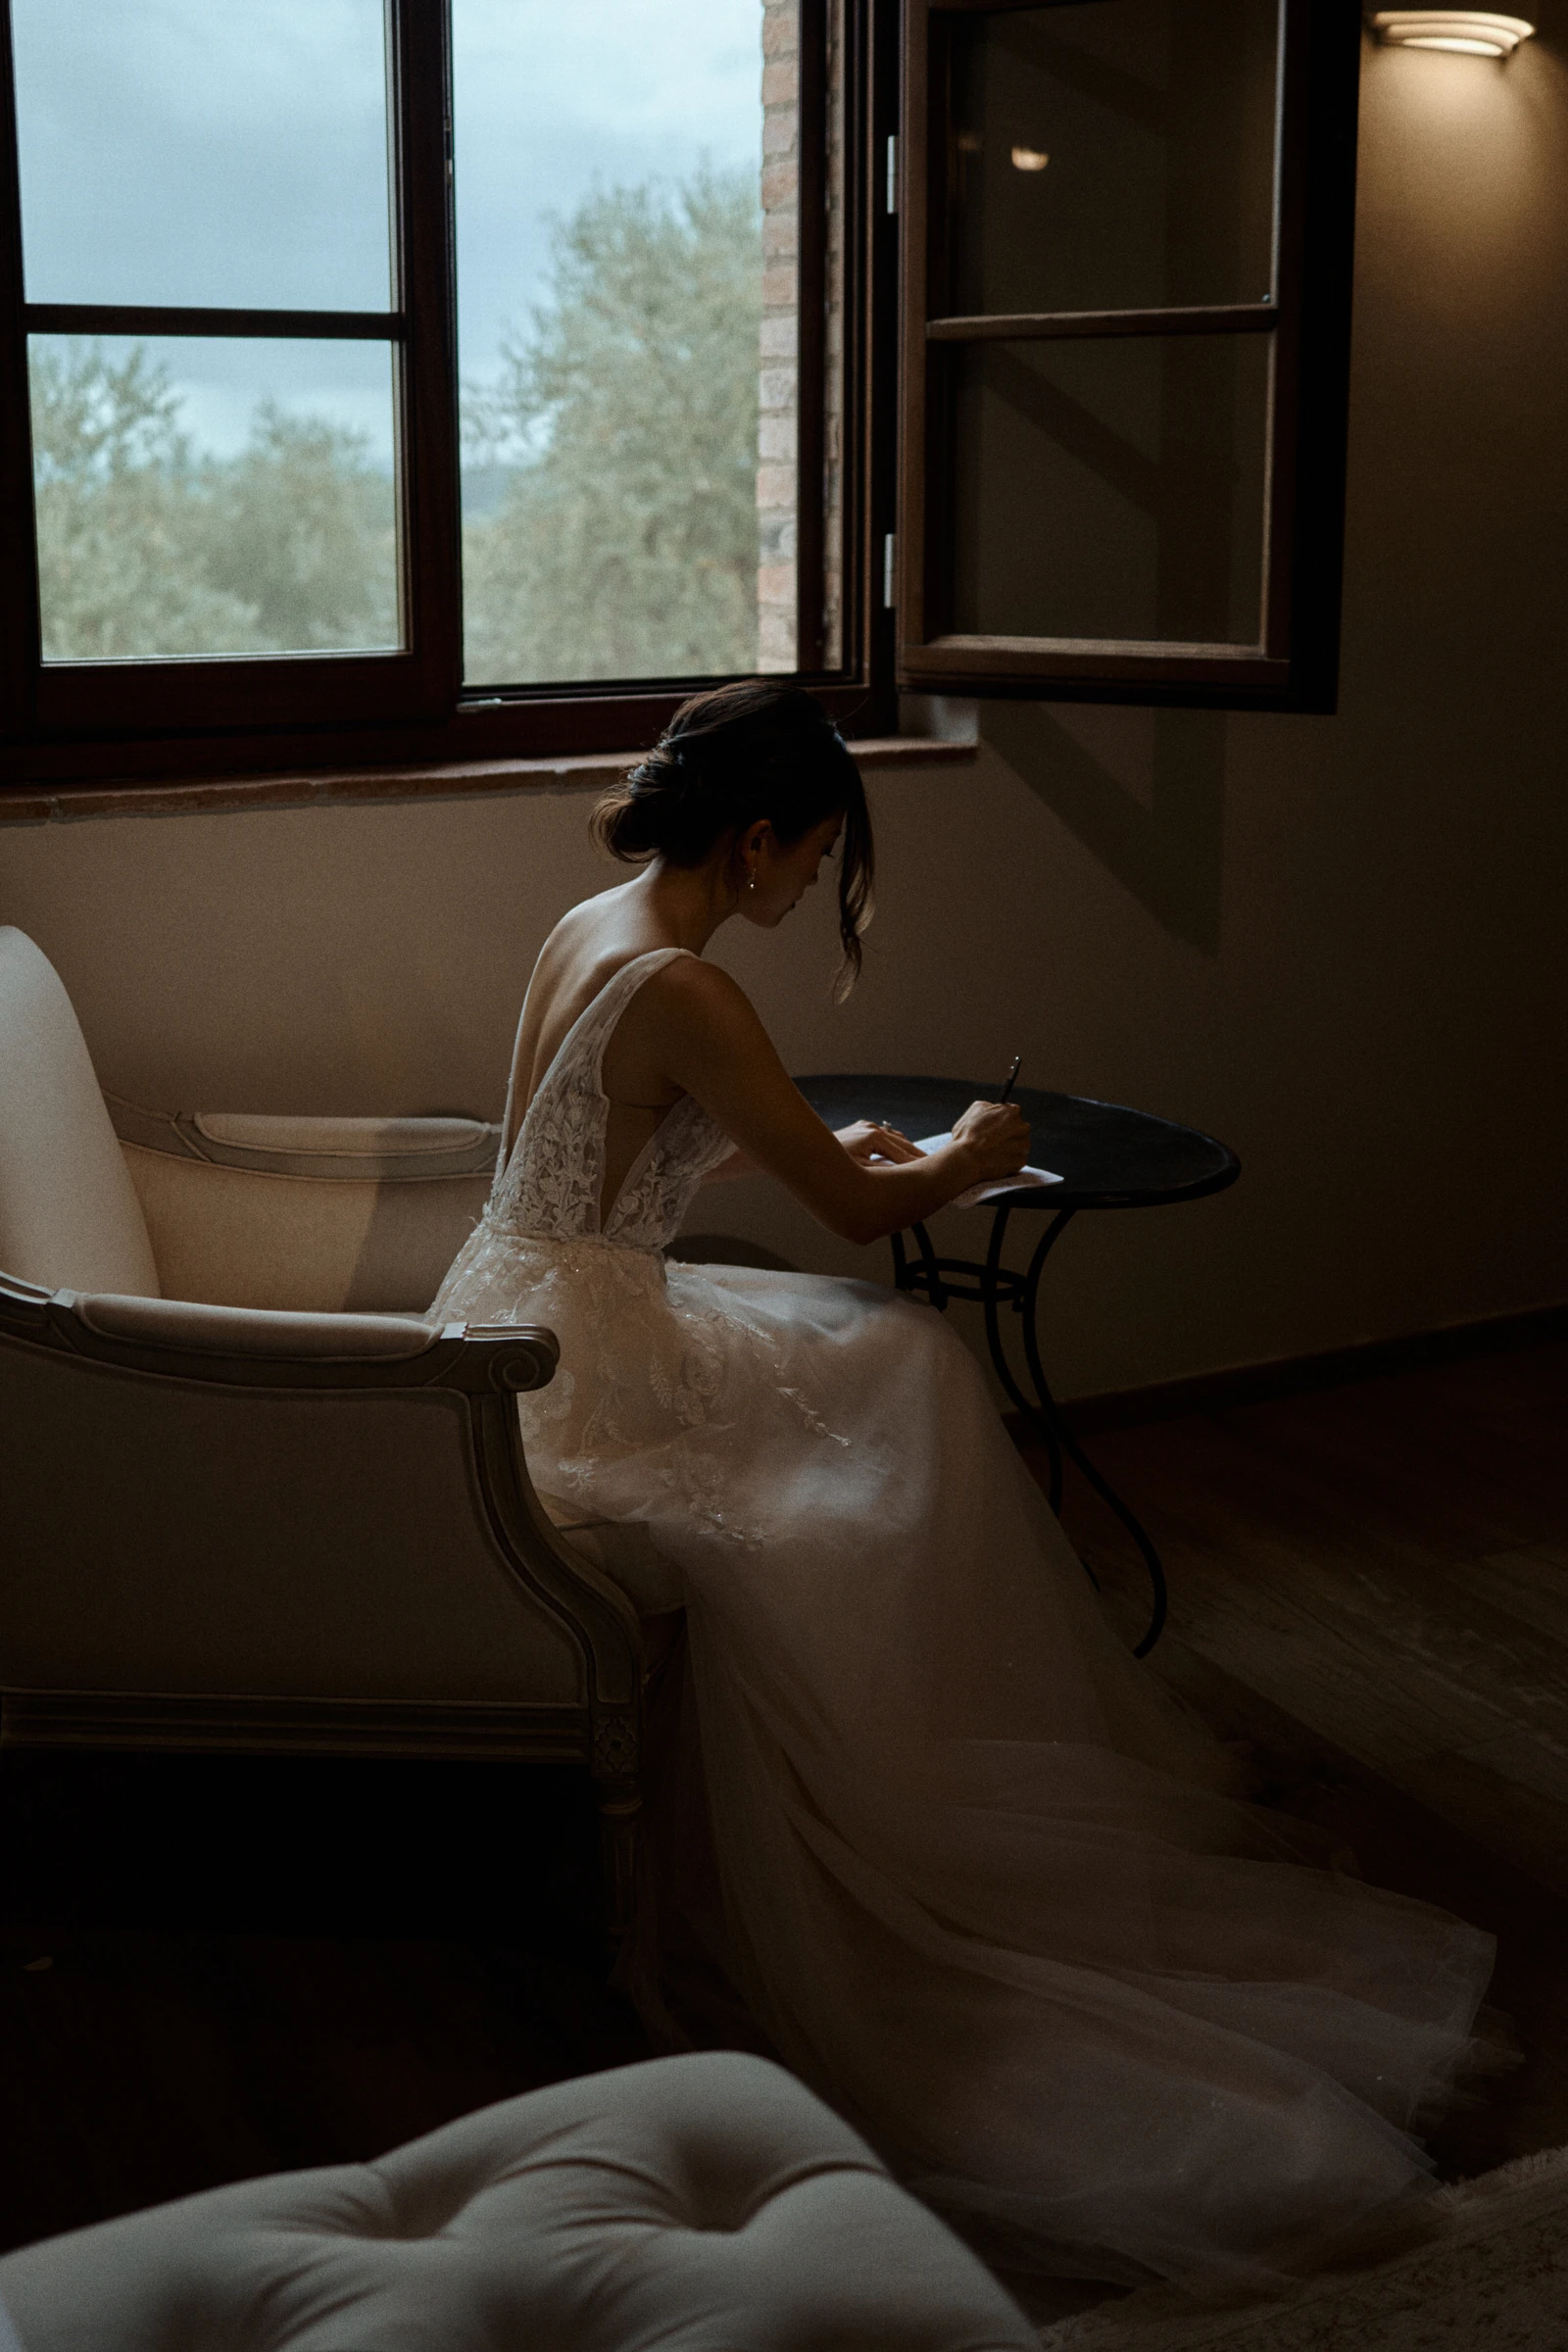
[1012,1077]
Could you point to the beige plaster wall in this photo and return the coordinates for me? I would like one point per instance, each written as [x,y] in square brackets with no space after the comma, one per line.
[1336,943]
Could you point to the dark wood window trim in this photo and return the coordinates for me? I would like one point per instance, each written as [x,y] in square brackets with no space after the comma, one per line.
[66,700]
[402,723]
[1293,664]
[333,712]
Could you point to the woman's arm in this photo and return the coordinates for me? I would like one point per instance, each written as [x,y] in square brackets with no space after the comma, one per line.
[712,1045]
[865,1141]
[737,1165]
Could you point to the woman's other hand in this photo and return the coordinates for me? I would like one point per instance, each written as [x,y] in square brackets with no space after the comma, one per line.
[868,1143]
[868,1181]
[995,1137]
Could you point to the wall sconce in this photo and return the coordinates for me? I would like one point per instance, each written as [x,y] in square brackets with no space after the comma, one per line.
[1469,30]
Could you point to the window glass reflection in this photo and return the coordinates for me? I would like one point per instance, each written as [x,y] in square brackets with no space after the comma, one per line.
[1111,489]
[622,187]
[182,152]
[1112,154]
[199,496]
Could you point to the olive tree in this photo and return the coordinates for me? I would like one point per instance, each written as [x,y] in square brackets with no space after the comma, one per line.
[625,542]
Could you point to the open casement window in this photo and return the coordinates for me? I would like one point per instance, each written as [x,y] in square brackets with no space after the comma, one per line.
[1126,283]
[392,381]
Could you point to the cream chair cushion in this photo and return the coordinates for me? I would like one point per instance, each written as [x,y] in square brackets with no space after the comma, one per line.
[321,1245]
[68,1215]
[699,2204]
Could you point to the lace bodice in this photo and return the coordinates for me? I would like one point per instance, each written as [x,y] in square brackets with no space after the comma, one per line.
[549,1183]
[660,1370]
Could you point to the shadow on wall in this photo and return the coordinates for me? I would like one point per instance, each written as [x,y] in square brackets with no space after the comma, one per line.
[1143,789]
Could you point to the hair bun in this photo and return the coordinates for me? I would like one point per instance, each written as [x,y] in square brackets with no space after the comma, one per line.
[757,748]
[657,808]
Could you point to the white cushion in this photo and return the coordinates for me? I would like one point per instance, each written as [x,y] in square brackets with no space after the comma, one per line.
[241,1237]
[699,2204]
[68,1215]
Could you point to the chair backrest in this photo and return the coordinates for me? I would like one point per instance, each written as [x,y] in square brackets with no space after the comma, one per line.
[68,1215]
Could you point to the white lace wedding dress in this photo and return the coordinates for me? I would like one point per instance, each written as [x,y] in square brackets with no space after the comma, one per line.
[984,1887]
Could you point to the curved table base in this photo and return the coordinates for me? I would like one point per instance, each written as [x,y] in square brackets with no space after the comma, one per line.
[993,1286]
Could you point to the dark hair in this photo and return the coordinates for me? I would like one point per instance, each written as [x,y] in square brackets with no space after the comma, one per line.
[735,754]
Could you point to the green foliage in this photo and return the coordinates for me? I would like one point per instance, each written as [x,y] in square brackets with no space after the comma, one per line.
[145,548]
[621,437]
[625,545]
[303,526]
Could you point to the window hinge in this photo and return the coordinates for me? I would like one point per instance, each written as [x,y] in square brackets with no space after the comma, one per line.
[890,558]
[893,173]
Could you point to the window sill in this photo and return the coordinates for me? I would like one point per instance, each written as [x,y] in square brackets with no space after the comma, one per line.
[71,803]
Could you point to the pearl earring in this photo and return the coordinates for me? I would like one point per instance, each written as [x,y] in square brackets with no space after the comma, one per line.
[751,884]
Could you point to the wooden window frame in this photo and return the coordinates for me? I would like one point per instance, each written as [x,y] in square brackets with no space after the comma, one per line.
[409,710]
[328,711]
[1294,664]
[153,696]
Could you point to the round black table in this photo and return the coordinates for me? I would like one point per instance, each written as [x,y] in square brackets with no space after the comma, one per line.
[1108,1157]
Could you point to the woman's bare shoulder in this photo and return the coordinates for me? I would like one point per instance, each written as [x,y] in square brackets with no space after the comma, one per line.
[589,943]
[690,980]
[700,1002]
[583,927]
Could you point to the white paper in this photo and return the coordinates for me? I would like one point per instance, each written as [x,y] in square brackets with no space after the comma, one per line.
[979,1194]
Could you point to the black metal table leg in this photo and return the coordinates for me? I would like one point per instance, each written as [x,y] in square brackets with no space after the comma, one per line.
[992,1305]
[1105,1155]
[1049,1416]
[993,1286]
[931,1270]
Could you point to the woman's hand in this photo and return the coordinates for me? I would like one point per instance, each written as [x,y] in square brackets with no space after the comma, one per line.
[868,1143]
[699,1034]
[995,1137]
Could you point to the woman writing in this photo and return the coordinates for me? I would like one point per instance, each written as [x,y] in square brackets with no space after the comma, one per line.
[984,1887]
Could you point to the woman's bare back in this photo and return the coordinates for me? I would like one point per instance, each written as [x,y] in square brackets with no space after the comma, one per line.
[581,956]
[689,1030]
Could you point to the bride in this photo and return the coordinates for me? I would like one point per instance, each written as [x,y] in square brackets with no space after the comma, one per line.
[984,1886]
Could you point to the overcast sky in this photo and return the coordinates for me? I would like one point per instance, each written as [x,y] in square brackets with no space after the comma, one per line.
[234,152]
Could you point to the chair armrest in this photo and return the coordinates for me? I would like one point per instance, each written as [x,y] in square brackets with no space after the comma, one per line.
[254,1331]
[382,1150]
[271,1348]
[207,1499]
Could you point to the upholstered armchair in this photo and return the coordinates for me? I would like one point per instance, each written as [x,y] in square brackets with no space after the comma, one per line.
[247,1498]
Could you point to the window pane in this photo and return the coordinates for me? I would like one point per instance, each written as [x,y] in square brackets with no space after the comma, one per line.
[1110,489]
[214,497]
[176,151]
[1113,154]
[621,348]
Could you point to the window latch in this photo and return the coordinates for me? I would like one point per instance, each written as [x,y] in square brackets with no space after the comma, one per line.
[893,173]
[889,561]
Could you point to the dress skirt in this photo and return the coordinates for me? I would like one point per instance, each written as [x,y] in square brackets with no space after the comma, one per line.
[986,1887]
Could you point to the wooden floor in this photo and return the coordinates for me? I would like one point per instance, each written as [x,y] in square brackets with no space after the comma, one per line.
[209,1970]
[1370,1583]
[216,1968]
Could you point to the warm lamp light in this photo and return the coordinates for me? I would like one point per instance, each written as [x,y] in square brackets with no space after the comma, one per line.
[1471,31]
[1029,159]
